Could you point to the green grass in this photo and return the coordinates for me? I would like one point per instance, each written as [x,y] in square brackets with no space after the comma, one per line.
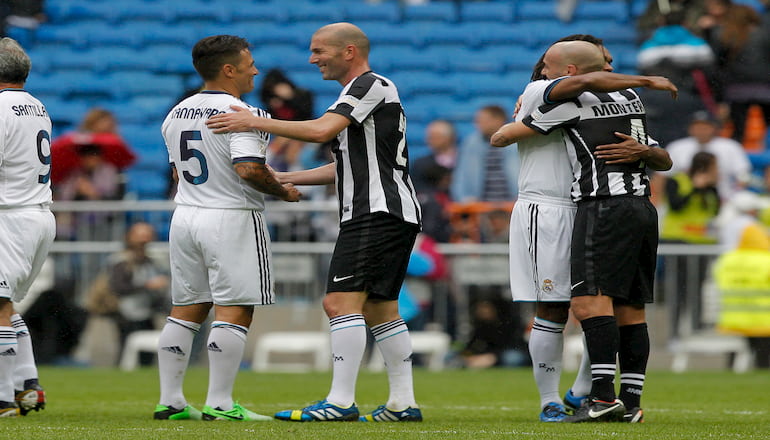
[502,403]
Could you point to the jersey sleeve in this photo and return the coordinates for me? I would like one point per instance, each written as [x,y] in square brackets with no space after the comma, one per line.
[364,95]
[549,117]
[250,146]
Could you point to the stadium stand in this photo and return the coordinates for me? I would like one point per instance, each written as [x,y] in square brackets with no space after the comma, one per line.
[447,58]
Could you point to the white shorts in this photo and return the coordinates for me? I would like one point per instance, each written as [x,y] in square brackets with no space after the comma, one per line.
[540,238]
[220,256]
[26,235]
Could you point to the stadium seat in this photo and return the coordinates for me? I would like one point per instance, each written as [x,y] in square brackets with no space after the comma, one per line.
[186,12]
[474,60]
[141,341]
[362,13]
[315,12]
[735,346]
[484,13]
[475,84]
[147,184]
[423,83]
[157,13]
[612,10]
[409,59]
[536,10]
[68,12]
[112,36]
[435,12]
[491,35]
[447,35]
[122,59]
[61,36]
[132,84]
[316,344]
[433,343]
[387,34]
[257,14]
[151,34]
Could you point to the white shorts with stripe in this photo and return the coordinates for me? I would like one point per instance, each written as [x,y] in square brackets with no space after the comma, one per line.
[540,237]
[220,256]
[26,235]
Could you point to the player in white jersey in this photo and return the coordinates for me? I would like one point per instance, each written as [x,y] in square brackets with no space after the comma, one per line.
[571,59]
[379,220]
[218,243]
[27,226]
[541,230]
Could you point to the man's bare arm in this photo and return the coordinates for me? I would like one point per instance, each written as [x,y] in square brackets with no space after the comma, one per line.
[573,86]
[262,179]
[510,133]
[323,175]
[630,150]
[317,130]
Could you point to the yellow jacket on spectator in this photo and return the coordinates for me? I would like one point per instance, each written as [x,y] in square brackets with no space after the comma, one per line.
[743,279]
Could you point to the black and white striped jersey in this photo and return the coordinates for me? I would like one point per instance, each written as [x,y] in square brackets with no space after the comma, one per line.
[591,120]
[371,153]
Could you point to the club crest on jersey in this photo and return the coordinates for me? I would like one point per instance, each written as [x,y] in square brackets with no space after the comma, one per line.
[547,285]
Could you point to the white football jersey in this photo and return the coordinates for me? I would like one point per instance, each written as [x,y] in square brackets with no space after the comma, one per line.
[25,150]
[546,170]
[204,160]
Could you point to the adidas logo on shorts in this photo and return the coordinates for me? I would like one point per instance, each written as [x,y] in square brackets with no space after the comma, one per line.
[4,285]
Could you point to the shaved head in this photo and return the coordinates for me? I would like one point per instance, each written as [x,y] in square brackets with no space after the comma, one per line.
[587,57]
[343,34]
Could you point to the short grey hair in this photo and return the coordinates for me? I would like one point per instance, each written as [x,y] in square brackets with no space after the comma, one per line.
[14,62]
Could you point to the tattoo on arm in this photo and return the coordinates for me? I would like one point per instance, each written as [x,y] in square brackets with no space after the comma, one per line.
[260,177]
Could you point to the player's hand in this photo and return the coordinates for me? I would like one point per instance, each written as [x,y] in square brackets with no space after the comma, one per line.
[239,120]
[627,151]
[292,193]
[663,83]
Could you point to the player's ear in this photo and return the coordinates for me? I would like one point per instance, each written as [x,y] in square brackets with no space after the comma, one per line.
[572,69]
[228,70]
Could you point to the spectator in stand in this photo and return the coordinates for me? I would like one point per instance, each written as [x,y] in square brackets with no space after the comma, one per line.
[485,173]
[140,283]
[693,202]
[497,337]
[687,60]
[742,45]
[732,161]
[650,19]
[441,138]
[743,279]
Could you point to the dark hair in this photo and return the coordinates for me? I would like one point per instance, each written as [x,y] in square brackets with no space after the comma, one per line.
[536,75]
[701,162]
[211,53]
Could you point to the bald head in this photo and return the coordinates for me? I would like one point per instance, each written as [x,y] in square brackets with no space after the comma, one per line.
[583,56]
[343,34]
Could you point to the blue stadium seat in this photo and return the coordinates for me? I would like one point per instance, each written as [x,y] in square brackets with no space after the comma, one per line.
[364,12]
[68,12]
[469,85]
[133,84]
[144,109]
[187,12]
[418,111]
[475,60]
[449,35]
[67,59]
[258,13]
[147,142]
[431,12]
[268,34]
[387,34]
[536,10]
[500,34]
[61,36]
[285,57]
[418,84]
[62,111]
[112,35]
[315,12]
[395,59]
[183,37]
[483,13]
[518,58]
[170,59]
[157,13]
[147,184]
[602,10]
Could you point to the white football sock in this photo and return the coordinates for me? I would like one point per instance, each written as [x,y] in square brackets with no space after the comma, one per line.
[226,344]
[8,350]
[582,385]
[25,357]
[348,342]
[396,347]
[546,346]
[174,347]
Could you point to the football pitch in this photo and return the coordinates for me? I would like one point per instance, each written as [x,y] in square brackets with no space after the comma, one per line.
[457,404]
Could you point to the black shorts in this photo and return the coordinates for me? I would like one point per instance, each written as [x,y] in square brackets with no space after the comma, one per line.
[614,249]
[371,255]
